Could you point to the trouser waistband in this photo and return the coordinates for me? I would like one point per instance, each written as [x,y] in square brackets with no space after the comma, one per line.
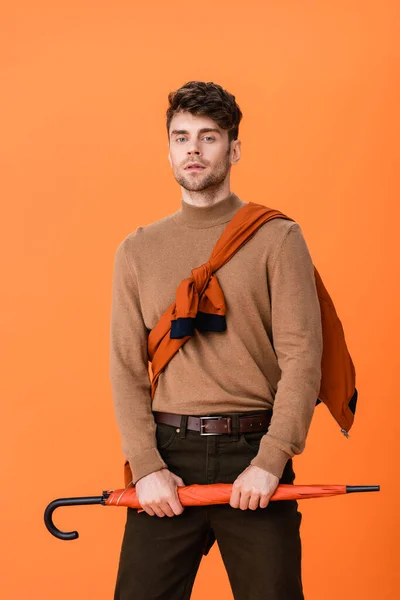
[229,423]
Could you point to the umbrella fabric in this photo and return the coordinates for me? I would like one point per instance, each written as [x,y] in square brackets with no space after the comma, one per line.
[220,493]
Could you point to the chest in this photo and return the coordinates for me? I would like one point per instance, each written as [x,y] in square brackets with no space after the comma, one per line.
[243,278]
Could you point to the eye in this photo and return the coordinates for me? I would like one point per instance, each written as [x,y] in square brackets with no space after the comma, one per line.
[210,137]
[180,138]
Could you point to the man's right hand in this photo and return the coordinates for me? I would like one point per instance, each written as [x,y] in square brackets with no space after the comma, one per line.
[157,493]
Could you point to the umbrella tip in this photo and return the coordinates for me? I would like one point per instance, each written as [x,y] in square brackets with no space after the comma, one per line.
[362,488]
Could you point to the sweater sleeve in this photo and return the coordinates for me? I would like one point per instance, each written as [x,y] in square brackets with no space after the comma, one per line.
[130,381]
[297,340]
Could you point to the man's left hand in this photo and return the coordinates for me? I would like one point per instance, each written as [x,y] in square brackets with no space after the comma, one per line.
[254,487]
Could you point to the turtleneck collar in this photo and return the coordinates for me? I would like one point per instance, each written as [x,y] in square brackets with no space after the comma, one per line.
[201,217]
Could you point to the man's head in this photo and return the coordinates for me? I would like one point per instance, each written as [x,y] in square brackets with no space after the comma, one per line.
[203,127]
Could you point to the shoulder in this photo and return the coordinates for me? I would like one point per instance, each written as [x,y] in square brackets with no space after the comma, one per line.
[275,231]
[281,226]
[290,245]
[147,237]
[281,239]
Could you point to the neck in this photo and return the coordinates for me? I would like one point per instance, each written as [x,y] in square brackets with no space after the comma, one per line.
[201,217]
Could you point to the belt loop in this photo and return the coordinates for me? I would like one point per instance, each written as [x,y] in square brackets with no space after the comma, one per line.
[235,426]
[183,425]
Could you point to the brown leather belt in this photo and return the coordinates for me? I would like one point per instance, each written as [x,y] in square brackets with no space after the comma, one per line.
[217,424]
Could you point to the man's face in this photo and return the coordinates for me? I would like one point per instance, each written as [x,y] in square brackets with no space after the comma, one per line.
[198,139]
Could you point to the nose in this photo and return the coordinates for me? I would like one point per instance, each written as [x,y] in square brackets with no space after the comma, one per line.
[193,149]
[193,152]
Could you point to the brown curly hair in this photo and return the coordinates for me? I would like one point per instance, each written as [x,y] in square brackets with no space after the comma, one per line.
[209,99]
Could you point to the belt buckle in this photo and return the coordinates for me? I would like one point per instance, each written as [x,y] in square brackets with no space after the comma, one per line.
[211,417]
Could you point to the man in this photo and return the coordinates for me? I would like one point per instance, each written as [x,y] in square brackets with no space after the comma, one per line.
[267,363]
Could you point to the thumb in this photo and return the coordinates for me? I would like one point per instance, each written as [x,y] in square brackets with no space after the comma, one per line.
[178,480]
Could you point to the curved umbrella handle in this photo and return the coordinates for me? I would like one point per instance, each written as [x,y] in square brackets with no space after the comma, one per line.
[48,514]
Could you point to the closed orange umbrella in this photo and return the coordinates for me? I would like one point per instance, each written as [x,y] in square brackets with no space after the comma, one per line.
[196,495]
[220,493]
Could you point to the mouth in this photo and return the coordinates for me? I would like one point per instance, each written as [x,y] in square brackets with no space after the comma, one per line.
[195,167]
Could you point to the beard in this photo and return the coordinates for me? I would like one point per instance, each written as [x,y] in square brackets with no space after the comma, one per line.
[202,181]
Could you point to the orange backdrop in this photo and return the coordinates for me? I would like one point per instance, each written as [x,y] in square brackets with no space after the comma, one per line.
[83,151]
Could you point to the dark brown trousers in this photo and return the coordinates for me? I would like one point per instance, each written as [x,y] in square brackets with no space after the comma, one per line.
[261,549]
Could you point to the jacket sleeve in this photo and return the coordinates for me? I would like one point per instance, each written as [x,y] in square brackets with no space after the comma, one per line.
[297,340]
[130,381]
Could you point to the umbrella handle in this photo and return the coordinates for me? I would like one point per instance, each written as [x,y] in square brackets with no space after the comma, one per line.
[48,514]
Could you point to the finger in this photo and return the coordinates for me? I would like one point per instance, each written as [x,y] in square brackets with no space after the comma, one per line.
[235,496]
[254,501]
[176,506]
[244,500]
[159,512]
[264,501]
[147,510]
[165,507]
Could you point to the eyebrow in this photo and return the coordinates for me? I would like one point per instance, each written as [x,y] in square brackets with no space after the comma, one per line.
[204,130]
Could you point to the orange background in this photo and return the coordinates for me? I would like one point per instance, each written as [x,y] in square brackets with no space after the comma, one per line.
[83,151]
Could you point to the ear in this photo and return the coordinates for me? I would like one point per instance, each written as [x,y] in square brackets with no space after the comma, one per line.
[235,151]
[169,158]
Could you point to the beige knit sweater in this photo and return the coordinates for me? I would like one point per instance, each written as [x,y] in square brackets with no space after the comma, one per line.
[269,355]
